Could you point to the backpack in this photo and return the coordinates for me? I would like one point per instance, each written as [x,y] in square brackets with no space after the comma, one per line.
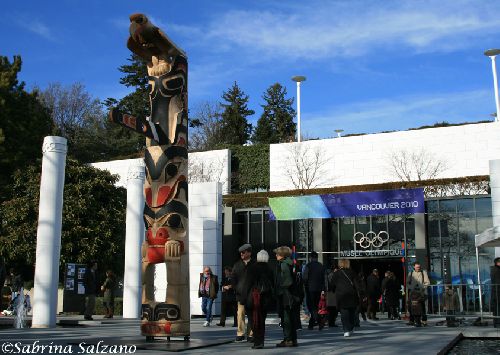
[297,287]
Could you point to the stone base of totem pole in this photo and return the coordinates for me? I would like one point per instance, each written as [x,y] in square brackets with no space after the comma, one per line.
[165,329]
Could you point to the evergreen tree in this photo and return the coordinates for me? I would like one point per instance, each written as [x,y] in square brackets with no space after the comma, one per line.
[24,122]
[92,223]
[264,132]
[276,123]
[125,142]
[235,127]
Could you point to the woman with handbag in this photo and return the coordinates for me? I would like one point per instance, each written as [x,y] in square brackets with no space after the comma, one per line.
[346,286]
[259,288]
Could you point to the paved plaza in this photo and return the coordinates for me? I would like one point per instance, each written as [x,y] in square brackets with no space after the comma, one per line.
[381,337]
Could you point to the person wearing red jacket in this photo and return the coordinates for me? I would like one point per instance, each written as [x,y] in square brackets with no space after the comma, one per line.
[322,310]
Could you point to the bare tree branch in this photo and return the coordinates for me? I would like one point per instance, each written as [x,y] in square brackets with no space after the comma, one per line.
[415,165]
[305,166]
[208,135]
[205,170]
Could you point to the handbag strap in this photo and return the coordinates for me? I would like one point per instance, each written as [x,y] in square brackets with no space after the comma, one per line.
[352,283]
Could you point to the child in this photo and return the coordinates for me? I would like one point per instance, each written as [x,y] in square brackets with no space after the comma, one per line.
[322,310]
[451,305]
[416,299]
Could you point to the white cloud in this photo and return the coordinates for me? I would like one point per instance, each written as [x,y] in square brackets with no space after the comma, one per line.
[37,27]
[400,113]
[325,29]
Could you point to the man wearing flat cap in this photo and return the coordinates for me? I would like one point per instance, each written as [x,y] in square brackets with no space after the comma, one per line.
[239,277]
[495,292]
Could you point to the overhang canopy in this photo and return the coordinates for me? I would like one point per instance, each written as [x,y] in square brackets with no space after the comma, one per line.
[489,238]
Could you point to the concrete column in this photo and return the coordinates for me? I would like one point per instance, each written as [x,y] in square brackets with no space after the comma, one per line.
[205,237]
[132,285]
[318,240]
[420,244]
[48,241]
[495,195]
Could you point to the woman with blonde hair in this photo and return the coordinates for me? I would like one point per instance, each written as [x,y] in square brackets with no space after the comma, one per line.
[347,288]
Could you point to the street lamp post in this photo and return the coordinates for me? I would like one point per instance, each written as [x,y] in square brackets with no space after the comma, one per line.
[492,53]
[298,79]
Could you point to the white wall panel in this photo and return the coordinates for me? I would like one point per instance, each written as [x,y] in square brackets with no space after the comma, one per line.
[359,160]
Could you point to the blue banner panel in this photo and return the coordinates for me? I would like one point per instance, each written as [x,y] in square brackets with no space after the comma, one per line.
[373,203]
[384,202]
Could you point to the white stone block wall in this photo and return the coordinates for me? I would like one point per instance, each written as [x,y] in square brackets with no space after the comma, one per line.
[465,150]
[211,166]
[205,237]
[119,167]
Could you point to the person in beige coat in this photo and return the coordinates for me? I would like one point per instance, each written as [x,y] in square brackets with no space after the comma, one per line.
[417,281]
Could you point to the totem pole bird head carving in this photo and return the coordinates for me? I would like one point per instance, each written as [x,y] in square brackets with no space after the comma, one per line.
[152,44]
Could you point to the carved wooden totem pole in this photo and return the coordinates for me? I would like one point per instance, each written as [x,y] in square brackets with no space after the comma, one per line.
[165,188]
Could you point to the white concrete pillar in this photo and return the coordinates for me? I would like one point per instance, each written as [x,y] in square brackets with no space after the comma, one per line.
[132,285]
[495,195]
[205,237]
[48,242]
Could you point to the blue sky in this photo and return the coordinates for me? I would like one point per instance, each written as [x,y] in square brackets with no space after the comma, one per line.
[371,66]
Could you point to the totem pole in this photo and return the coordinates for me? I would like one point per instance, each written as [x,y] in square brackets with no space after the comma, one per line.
[165,187]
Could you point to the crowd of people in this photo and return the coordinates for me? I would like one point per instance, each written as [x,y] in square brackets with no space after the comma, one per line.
[251,288]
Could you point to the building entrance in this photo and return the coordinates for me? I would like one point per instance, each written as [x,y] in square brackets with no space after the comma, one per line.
[366,266]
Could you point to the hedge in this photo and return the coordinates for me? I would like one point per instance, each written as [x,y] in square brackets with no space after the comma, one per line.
[260,199]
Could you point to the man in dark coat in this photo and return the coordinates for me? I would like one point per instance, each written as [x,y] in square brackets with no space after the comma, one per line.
[495,292]
[314,280]
[228,299]
[392,294]
[90,283]
[286,296]
[374,293]
[239,278]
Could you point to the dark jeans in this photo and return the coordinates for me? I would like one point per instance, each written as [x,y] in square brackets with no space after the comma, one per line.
[347,315]
[450,318]
[109,305]
[332,316]
[289,323]
[392,311]
[226,306]
[89,305]
[495,305]
[360,309]
[372,306]
[312,304]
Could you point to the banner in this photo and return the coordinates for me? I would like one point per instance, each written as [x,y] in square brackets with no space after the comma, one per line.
[372,203]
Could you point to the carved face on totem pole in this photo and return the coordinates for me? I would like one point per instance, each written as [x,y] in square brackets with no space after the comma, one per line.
[165,188]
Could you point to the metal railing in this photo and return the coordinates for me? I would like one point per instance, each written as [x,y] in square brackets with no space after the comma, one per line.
[467,299]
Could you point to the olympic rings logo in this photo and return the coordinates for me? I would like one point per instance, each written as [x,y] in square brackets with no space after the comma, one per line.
[371,239]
